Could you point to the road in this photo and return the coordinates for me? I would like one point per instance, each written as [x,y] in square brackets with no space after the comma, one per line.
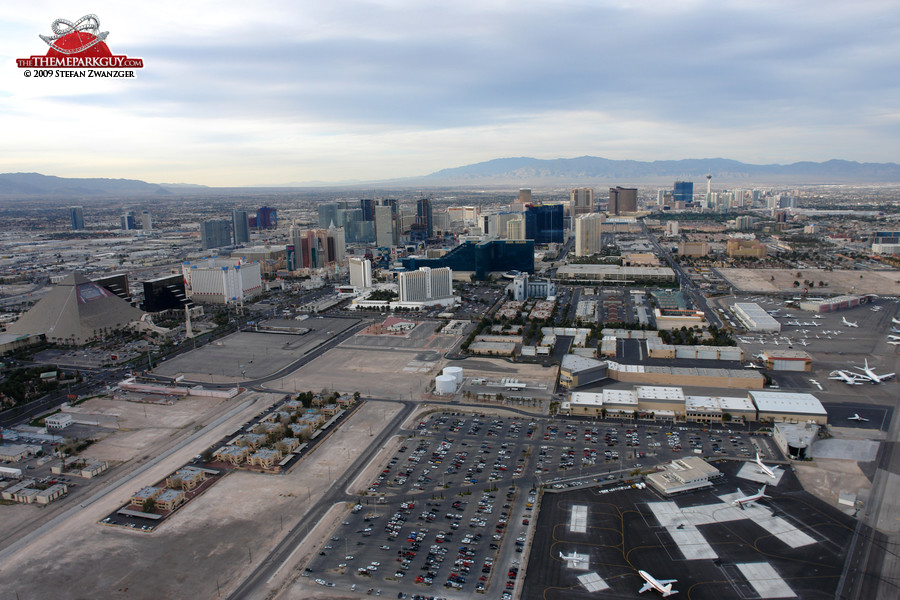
[691,291]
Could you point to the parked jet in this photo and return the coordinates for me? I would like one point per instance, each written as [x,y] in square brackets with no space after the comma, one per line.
[856,417]
[752,366]
[818,317]
[574,558]
[751,499]
[763,468]
[848,378]
[894,337]
[849,323]
[895,321]
[894,343]
[895,330]
[873,376]
[663,586]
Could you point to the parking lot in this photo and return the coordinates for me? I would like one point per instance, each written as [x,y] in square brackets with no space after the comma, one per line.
[451,512]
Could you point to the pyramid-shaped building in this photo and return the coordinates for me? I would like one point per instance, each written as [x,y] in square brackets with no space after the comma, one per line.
[76,311]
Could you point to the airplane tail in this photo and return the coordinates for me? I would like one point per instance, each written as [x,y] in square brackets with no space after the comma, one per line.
[667,589]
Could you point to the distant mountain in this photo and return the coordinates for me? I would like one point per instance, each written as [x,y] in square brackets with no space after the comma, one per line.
[35,185]
[589,168]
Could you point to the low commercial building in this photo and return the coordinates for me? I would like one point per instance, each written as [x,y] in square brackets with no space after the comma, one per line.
[676,318]
[17,452]
[786,407]
[58,421]
[48,495]
[683,475]
[616,274]
[737,248]
[693,249]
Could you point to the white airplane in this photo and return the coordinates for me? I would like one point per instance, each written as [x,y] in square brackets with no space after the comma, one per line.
[763,469]
[755,366]
[814,324]
[894,343]
[895,321]
[802,342]
[849,323]
[816,383]
[818,317]
[895,330]
[873,376]
[751,499]
[894,337]
[663,586]
[876,308]
[848,378]
[794,323]
[574,559]
[856,417]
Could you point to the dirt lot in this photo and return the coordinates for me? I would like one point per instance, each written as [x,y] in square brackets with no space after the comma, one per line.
[206,548]
[843,282]
[829,477]
[395,373]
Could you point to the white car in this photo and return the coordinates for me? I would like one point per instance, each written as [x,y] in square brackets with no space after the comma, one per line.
[320,581]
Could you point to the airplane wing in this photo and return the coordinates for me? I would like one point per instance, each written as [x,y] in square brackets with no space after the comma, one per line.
[667,581]
[647,586]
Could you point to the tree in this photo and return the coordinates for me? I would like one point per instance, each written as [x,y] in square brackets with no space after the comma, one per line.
[149,505]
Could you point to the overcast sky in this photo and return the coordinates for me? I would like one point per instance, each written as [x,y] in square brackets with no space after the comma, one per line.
[241,93]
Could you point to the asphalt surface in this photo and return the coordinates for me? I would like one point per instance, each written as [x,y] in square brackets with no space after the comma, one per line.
[623,536]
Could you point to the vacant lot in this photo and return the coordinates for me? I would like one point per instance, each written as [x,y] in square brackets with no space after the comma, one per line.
[843,282]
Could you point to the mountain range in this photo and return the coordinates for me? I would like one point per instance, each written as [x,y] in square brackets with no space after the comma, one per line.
[519,171]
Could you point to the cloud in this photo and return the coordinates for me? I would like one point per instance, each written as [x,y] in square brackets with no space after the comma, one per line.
[348,89]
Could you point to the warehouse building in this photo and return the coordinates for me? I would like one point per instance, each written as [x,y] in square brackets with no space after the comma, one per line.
[577,371]
[795,439]
[755,319]
[837,303]
[787,360]
[676,318]
[786,407]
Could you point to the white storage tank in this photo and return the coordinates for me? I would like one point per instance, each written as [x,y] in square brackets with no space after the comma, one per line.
[456,373]
[444,384]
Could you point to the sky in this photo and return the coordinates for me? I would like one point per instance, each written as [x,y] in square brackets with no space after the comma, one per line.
[240,93]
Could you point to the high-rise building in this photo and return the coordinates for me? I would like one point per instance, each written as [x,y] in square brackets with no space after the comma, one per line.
[424,218]
[76,213]
[240,225]
[515,229]
[426,284]
[622,200]
[266,218]
[215,234]
[544,223]
[385,226]
[361,273]
[589,234]
[146,221]
[582,200]
[683,192]
[328,215]
[221,281]
[368,208]
[317,248]
[483,258]
[127,221]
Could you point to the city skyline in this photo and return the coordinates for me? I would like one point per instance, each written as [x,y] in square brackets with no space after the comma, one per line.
[351,91]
